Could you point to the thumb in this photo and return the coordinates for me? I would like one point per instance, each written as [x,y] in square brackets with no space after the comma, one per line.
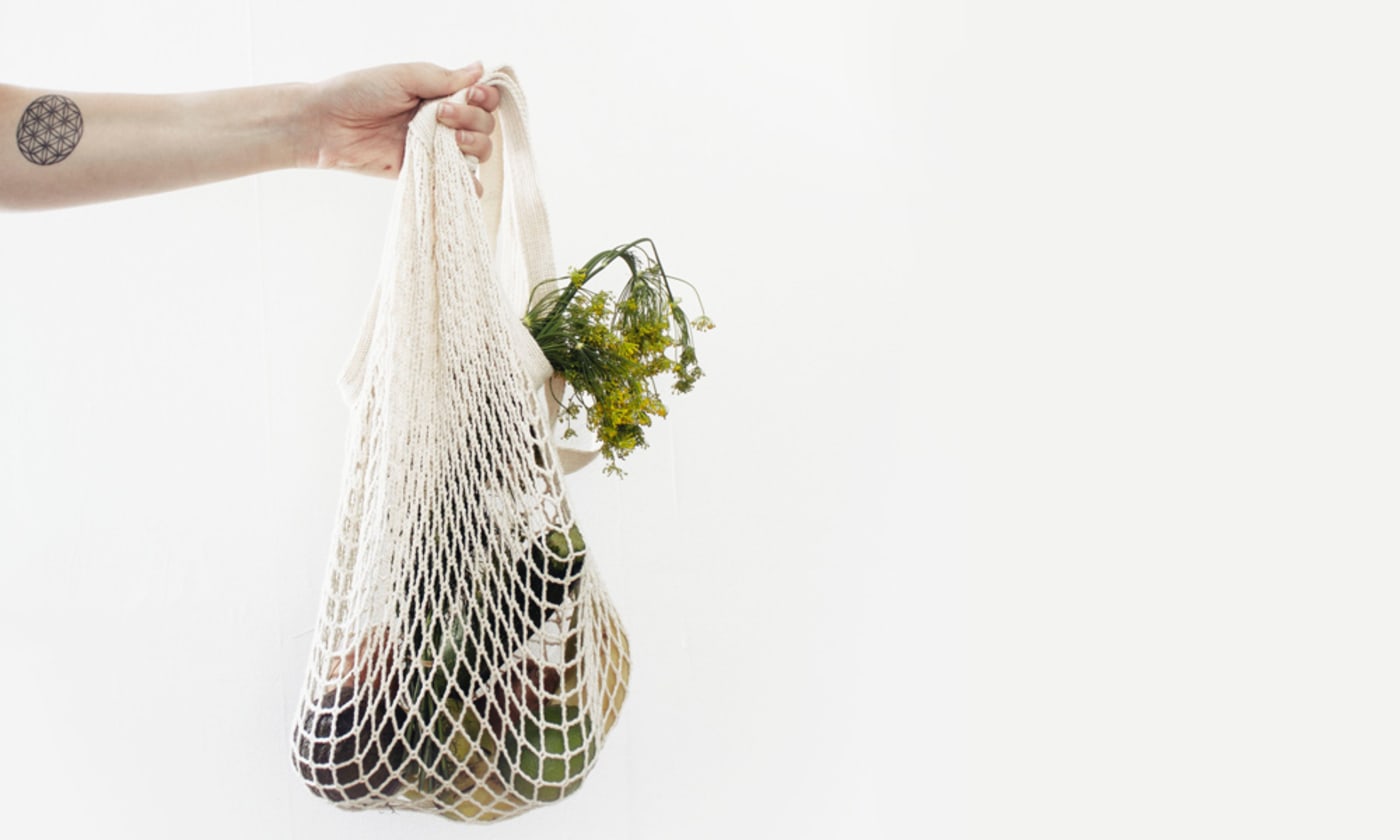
[429,81]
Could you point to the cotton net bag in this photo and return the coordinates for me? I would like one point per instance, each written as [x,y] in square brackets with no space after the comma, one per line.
[467,660]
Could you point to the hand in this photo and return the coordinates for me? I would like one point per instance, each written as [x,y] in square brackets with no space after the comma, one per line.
[358,121]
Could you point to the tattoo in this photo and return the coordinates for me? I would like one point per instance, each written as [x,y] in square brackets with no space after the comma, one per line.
[49,130]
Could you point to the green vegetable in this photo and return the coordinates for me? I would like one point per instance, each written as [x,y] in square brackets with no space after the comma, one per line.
[611,351]
[551,757]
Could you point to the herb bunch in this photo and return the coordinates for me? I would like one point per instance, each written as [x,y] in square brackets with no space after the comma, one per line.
[611,350]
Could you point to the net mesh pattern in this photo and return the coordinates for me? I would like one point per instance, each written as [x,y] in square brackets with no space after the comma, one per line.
[467,660]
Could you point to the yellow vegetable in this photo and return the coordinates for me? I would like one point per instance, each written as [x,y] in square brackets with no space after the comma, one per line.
[617,669]
[487,800]
[615,666]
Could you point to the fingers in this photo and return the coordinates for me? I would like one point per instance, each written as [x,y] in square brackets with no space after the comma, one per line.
[487,97]
[473,126]
[469,75]
[466,117]
[473,143]
[472,121]
[429,81]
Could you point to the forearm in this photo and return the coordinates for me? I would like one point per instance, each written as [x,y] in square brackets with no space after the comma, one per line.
[136,144]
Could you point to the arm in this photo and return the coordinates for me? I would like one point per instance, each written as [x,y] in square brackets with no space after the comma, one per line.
[76,148]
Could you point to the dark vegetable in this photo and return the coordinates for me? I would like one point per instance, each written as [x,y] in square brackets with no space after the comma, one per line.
[346,748]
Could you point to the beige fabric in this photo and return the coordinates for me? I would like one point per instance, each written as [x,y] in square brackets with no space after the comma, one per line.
[467,659]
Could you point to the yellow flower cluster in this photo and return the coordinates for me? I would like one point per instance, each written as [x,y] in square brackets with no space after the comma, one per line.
[611,351]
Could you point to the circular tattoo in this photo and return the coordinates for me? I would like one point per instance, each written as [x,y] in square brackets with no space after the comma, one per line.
[50,129]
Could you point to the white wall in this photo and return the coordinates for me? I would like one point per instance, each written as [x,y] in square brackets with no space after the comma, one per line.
[1043,482]
[172,433]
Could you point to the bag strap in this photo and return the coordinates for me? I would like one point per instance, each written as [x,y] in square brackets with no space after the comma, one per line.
[524,230]
[524,222]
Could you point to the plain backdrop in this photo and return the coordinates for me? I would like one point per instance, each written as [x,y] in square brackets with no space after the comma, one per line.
[1042,484]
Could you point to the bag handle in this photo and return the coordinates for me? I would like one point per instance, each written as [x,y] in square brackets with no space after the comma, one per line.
[524,223]
[524,229]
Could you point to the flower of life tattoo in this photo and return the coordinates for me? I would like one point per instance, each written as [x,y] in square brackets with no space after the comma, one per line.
[50,129]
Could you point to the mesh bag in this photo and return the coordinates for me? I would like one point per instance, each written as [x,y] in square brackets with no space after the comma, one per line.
[467,660]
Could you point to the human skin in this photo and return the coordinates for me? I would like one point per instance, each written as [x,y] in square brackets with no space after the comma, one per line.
[72,148]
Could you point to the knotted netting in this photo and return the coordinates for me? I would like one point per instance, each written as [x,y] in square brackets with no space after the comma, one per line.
[467,660]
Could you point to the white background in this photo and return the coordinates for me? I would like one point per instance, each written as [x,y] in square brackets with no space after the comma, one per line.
[1043,482]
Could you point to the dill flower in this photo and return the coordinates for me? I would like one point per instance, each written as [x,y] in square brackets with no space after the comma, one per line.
[611,350]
